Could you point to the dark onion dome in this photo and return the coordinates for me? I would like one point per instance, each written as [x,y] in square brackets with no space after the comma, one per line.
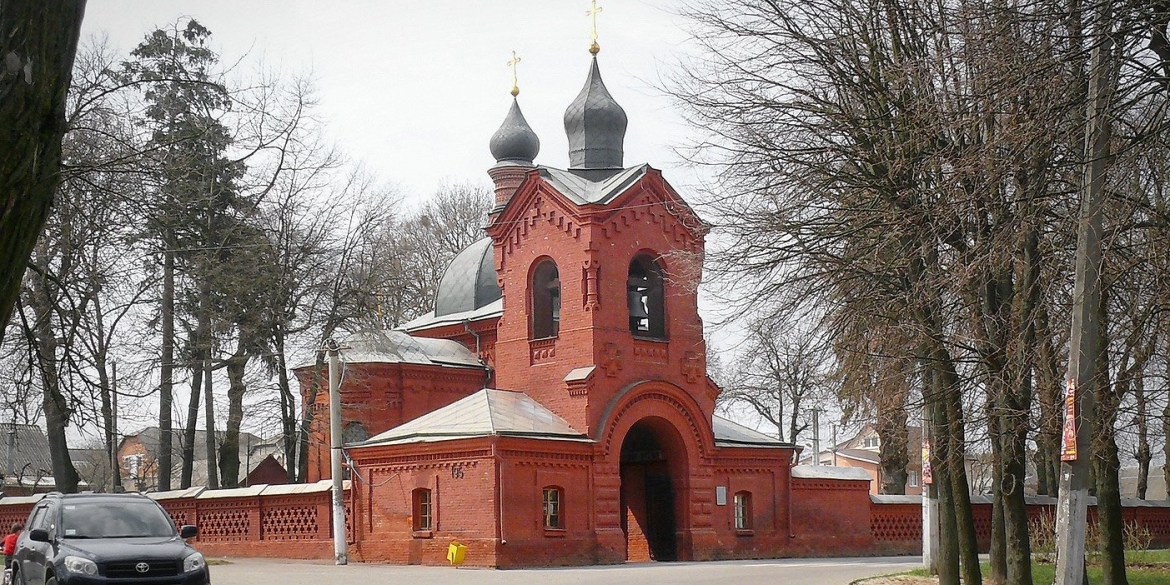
[596,126]
[515,141]
[469,282]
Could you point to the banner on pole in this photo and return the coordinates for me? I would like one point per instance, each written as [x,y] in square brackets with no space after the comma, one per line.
[1068,448]
[927,473]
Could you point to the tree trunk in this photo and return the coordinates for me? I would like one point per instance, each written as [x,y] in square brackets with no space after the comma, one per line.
[1050,385]
[1166,422]
[288,412]
[167,368]
[209,417]
[1105,460]
[892,439]
[957,470]
[38,41]
[307,419]
[43,340]
[997,554]
[1143,455]
[202,354]
[229,451]
[1016,406]
[189,433]
[947,561]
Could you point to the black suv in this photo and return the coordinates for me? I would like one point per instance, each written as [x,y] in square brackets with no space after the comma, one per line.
[108,539]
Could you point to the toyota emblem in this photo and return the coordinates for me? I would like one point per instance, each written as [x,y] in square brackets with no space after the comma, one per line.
[142,567]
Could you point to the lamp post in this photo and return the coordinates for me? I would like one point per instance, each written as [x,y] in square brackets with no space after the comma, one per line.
[339,545]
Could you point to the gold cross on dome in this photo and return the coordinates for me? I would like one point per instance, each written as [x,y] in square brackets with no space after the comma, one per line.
[513,63]
[592,13]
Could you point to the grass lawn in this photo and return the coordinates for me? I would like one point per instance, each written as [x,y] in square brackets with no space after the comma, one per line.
[1143,567]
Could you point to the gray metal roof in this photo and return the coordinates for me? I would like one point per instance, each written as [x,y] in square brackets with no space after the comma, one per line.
[595,125]
[485,413]
[830,472]
[733,434]
[29,451]
[470,280]
[492,309]
[583,189]
[399,347]
[515,141]
[865,455]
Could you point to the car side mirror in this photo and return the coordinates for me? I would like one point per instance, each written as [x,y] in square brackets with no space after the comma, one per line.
[188,531]
[39,535]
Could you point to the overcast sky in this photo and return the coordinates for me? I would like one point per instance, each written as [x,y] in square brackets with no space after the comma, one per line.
[415,89]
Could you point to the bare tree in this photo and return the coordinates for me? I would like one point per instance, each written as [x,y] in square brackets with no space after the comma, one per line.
[38,41]
[783,365]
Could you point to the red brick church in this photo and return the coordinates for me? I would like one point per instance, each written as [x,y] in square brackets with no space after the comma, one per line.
[555,408]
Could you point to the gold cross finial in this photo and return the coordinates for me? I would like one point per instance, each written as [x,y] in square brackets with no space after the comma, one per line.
[592,13]
[513,63]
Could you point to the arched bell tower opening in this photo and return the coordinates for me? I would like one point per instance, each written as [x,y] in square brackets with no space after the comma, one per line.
[653,490]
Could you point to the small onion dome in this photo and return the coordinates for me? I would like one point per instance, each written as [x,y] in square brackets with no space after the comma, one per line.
[515,141]
[596,126]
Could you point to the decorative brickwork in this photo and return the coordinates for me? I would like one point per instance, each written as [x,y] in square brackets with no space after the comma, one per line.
[224,523]
[542,350]
[897,523]
[289,521]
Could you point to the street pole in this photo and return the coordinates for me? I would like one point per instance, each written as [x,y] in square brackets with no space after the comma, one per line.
[115,471]
[816,436]
[1084,341]
[929,500]
[834,447]
[339,545]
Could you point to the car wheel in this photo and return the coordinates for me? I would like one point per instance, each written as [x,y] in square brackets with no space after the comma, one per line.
[51,580]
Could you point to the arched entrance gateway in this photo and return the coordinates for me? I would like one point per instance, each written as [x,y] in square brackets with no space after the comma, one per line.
[654,491]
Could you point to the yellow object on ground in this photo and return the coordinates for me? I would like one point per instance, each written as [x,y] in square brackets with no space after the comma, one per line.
[455,553]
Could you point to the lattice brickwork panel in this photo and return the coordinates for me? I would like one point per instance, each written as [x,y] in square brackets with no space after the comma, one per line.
[10,515]
[289,523]
[1156,520]
[221,525]
[982,517]
[179,516]
[897,527]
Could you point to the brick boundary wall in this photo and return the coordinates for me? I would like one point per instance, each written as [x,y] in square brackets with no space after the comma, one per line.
[896,521]
[293,521]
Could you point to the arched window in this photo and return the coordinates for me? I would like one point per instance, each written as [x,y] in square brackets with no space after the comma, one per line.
[354,432]
[552,498]
[422,509]
[645,298]
[546,301]
[743,510]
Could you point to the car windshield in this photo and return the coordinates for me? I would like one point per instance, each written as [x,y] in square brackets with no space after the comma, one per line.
[114,519]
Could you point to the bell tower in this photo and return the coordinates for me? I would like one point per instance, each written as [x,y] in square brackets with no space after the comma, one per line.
[599,265]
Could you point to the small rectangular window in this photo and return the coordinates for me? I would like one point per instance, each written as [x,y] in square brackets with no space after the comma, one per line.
[912,478]
[743,511]
[552,508]
[423,512]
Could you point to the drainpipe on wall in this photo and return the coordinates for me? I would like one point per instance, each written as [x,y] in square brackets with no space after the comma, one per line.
[487,372]
[795,459]
[499,493]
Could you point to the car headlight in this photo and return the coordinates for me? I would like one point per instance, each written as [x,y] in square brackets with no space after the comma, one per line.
[193,562]
[80,565]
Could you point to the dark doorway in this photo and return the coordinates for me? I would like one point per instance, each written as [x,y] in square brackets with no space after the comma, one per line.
[647,494]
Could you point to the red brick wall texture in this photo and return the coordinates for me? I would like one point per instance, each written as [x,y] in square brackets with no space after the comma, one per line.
[830,518]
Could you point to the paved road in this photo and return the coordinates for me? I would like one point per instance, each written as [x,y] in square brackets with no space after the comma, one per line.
[785,571]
